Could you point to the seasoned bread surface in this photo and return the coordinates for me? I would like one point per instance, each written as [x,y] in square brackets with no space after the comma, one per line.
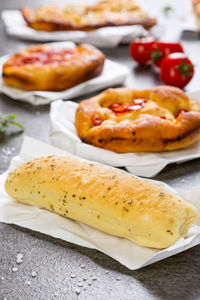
[156,119]
[87,17]
[48,68]
[114,202]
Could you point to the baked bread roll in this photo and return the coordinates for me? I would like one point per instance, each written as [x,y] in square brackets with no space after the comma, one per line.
[196,10]
[104,198]
[48,68]
[87,17]
[128,120]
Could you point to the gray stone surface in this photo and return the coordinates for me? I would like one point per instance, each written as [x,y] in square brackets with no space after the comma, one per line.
[62,270]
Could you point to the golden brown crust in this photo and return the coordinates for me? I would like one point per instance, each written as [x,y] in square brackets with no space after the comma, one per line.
[46,68]
[86,18]
[196,9]
[169,120]
[104,198]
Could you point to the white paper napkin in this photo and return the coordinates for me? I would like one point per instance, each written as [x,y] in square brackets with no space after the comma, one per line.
[63,135]
[113,74]
[126,252]
[189,24]
[103,37]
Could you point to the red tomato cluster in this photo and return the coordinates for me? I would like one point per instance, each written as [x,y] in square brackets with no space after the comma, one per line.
[175,68]
[49,56]
[121,108]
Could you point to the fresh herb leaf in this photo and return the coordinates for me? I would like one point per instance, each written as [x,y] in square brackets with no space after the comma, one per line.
[167,9]
[11,116]
[6,120]
[17,124]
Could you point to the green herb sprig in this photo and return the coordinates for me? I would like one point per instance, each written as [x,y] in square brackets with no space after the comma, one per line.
[167,9]
[7,120]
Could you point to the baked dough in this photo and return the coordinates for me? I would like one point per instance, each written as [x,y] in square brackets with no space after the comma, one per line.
[116,203]
[48,68]
[84,17]
[127,120]
[196,9]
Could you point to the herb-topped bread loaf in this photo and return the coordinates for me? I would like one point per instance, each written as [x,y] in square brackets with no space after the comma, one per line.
[114,202]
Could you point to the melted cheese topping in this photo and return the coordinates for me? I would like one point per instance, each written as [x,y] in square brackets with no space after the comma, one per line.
[44,56]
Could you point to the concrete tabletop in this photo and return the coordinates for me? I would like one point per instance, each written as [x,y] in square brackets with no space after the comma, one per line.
[35,266]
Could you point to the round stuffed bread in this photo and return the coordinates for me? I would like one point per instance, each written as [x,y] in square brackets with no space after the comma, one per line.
[127,120]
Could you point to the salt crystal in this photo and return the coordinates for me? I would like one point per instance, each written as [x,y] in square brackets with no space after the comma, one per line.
[6,150]
[2,278]
[14,269]
[83,266]
[94,278]
[84,278]
[107,271]
[33,274]
[80,284]
[65,290]
[5,158]
[19,258]
[118,278]
[77,291]
[28,282]
[89,283]
[73,275]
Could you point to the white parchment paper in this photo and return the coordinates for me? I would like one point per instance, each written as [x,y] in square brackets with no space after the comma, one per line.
[104,37]
[63,135]
[189,24]
[126,252]
[113,74]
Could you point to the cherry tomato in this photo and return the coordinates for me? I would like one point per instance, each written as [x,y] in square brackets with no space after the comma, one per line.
[140,50]
[122,108]
[176,69]
[162,49]
[147,50]
[180,111]
[119,107]
[96,121]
